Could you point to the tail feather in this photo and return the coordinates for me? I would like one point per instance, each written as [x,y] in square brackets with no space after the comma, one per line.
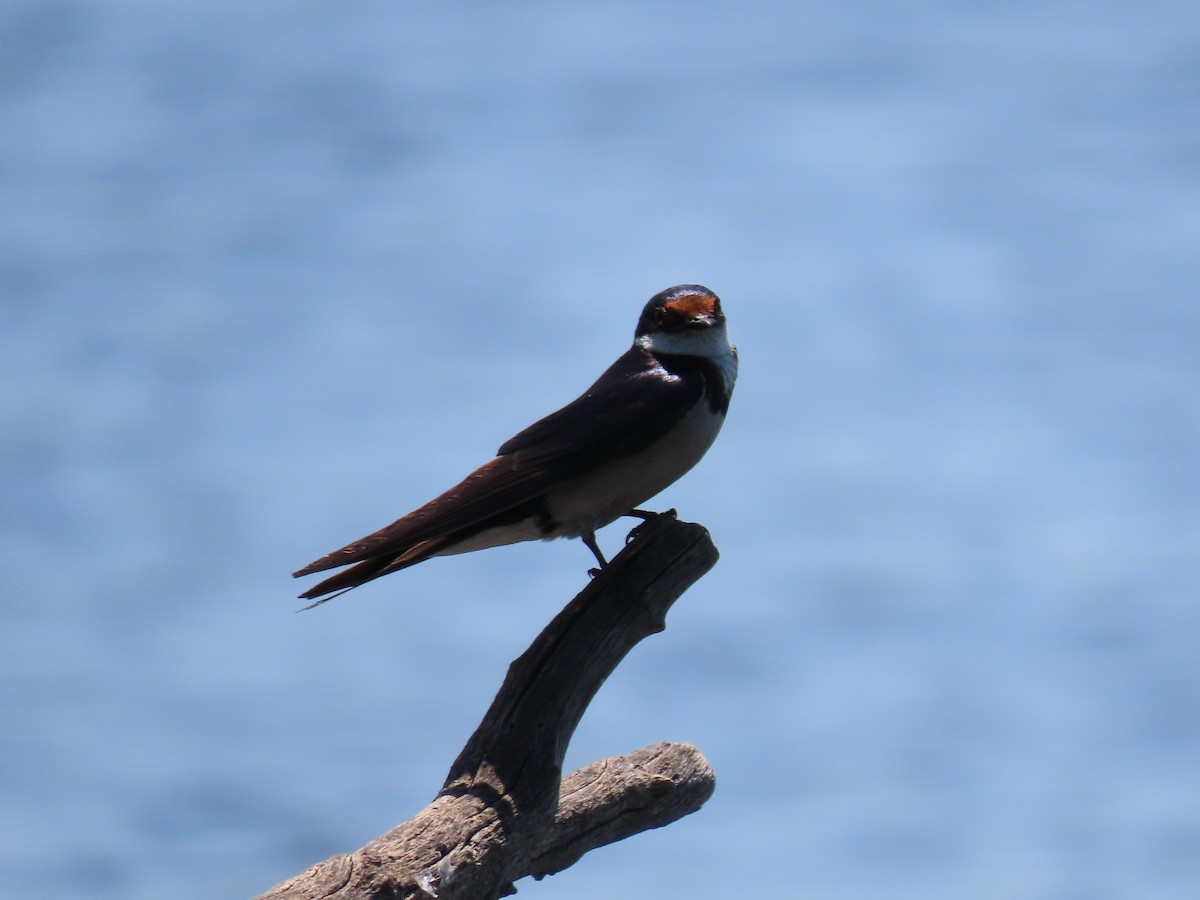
[370,569]
[347,579]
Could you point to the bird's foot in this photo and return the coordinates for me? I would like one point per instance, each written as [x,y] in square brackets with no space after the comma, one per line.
[647,516]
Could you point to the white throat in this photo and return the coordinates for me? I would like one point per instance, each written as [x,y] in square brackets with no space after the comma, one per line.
[710,343]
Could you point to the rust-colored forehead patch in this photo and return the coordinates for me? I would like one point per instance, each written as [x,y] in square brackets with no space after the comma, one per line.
[693,305]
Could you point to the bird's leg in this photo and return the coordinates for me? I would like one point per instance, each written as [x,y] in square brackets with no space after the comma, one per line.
[589,541]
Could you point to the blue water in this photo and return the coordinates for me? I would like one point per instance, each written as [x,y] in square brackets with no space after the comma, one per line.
[271,274]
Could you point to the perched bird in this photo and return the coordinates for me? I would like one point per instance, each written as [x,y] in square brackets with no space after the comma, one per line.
[646,421]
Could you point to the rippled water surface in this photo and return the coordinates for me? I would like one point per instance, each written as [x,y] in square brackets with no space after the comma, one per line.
[272,274]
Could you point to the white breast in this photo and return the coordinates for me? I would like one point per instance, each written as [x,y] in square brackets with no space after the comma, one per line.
[611,491]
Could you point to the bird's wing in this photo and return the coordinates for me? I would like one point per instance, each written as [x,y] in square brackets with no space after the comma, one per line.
[630,407]
[633,404]
[493,488]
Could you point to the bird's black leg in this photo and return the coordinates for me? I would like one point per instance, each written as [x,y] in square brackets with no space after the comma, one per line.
[589,540]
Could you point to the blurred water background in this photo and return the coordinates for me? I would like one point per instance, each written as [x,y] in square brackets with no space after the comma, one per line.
[271,274]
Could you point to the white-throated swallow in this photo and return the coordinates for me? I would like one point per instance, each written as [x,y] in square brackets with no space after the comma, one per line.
[646,421]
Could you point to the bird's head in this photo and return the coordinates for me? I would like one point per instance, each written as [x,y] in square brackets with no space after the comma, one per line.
[684,319]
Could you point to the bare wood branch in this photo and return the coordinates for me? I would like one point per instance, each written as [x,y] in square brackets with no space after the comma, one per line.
[498,816]
[612,799]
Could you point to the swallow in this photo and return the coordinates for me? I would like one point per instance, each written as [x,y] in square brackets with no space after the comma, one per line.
[644,423]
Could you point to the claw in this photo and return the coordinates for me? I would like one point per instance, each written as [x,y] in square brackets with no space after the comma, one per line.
[647,517]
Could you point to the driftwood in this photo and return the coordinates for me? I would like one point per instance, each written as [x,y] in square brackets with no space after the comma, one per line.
[504,811]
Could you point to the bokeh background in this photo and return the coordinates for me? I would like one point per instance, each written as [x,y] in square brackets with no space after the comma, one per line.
[271,274]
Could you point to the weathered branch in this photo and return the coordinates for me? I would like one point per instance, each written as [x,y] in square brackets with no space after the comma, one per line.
[499,815]
[612,799]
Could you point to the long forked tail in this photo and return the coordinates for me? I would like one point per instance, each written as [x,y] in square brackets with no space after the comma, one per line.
[367,569]
[347,580]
